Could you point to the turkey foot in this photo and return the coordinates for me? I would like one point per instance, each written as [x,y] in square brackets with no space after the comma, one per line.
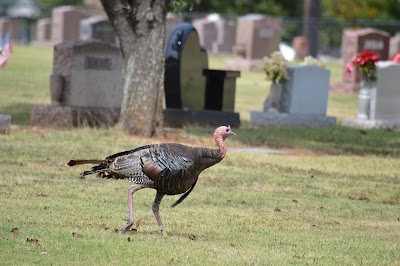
[126,227]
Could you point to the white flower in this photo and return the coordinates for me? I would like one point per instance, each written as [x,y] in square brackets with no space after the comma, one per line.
[275,67]
[309,60]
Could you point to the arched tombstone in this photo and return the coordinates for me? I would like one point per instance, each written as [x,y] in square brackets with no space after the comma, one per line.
[190,87]
[184,61]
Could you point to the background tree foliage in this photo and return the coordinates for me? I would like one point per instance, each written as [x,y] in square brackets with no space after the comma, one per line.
[342,9]
[240,7]
[361,9]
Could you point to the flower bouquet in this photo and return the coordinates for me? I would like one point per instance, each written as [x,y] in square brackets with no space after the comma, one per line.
[275,67]
[310,60]
[366,62]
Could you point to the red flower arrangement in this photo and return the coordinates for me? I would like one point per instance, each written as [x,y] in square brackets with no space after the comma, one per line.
[365,61]
[396,58]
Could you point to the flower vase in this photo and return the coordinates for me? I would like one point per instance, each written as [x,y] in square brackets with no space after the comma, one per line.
[274,97]
[365,97]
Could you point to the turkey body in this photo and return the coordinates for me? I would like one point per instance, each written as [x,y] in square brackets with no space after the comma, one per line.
[169,168]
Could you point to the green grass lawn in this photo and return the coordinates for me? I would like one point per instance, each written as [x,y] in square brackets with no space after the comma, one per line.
[333,198]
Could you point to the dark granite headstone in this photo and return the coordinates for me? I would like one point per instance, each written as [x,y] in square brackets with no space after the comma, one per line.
[189,85]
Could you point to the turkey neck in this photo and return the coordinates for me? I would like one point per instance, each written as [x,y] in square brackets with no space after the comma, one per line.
[221,145]
[209,157]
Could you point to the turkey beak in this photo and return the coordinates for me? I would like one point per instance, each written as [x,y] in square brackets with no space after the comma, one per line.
[232,133]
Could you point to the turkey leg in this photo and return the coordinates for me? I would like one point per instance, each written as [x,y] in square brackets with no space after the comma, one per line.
[129,223]
[155,209]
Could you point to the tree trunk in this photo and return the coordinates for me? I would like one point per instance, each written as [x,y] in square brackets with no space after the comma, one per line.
[140,27]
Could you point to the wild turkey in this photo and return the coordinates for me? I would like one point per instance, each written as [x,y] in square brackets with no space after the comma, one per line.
[169,168]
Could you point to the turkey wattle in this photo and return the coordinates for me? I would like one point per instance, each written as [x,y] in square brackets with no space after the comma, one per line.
[170,169]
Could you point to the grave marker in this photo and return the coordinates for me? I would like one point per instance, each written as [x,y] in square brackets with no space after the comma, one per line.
[97,28]
[355,41]
[65,23]
[189,85]
[303,100]
[387,97]
[86,85]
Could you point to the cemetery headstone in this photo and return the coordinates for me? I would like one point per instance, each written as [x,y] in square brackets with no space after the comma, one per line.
[97,28]
[12,25]
[43,30]
[387,99]
[306,91]
[303,100]
[257,36]
[86,82]
[65,23]
[207,32]
[189,84]
[355,41]
[216,34]
[385,108]
[4,25]
[394,45]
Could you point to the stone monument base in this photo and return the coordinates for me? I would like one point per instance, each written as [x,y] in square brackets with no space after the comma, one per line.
[271,119]
[5,122]
[392,125]
[65,116]
[180,118]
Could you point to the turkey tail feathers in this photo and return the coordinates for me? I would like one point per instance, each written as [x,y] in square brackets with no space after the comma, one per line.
[76,162]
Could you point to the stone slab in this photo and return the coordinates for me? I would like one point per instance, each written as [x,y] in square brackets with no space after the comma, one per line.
[372,124]
[66,117]
[5,123]
[180,118]
[265,119]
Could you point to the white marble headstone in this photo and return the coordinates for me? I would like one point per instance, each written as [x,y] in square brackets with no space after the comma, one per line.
[306,91]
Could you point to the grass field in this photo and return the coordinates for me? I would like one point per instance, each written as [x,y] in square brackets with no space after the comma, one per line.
[332,197]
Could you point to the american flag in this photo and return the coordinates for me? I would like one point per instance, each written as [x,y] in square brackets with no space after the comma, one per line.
[5,49]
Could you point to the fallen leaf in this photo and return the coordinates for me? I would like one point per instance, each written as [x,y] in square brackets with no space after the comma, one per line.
[116,230]
[15,230]
[75,234]
[43,253]
[129,239]
[139,223]
[294,200]
[277,210]
[193,237]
